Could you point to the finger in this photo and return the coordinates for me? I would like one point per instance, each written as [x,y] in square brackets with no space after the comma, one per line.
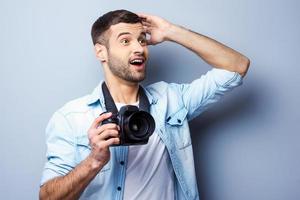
[112,141]
[146,23]
[108,134]
[145,17]
[99,119]
[97,131]
[107,126]
[149,42]
[147,26]
[98,139]
[148,29]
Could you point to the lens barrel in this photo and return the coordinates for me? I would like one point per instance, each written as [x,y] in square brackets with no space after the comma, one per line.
[139,125]
[136,126]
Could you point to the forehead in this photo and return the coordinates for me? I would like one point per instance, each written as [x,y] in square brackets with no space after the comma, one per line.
[134,29]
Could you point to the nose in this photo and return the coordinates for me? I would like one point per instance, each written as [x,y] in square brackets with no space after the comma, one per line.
[138,48]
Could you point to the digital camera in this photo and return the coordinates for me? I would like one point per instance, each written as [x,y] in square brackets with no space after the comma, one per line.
[136,126]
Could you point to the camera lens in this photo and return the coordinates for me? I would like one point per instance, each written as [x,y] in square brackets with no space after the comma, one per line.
[141,124]
[138,125]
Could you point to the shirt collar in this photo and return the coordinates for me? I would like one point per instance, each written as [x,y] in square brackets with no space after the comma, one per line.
[97,95]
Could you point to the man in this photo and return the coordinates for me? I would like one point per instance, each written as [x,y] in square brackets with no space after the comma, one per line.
[81,161]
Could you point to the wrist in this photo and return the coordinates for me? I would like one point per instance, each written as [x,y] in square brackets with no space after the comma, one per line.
[174,32]
[171,31]
[94,164]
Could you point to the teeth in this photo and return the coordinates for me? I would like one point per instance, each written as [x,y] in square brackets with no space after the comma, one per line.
[137,61]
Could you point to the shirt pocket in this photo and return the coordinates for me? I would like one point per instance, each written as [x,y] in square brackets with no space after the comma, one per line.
[83,149]
[178,128]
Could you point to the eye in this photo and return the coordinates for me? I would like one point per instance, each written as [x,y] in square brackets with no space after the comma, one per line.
[124,41]
[143,41]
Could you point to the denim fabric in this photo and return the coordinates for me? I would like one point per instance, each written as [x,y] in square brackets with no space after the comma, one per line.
[172,106]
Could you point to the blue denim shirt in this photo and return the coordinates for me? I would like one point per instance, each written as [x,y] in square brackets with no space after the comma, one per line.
[172,106]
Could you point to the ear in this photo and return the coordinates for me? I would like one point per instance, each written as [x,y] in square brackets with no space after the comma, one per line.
[101,52]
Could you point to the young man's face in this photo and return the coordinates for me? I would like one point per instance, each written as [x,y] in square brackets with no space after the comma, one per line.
[127,51]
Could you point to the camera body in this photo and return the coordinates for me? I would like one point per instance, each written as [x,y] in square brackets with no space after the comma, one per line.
[136,126]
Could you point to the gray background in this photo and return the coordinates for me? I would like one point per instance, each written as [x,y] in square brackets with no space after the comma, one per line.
[246,147]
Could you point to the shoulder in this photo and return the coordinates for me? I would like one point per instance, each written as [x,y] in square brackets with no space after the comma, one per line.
[76,116]
[167,95]
[78,105]
[162,88]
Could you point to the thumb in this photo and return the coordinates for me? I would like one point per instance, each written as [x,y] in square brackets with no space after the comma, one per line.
[150,42]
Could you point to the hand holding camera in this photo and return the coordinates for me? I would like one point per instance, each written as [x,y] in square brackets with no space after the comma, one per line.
[101,137]
[130,126]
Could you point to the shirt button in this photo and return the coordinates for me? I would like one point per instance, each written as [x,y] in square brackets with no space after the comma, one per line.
[122,162]
[119,188]
[168,119]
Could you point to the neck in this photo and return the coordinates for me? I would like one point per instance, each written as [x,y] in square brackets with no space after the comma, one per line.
[122,91]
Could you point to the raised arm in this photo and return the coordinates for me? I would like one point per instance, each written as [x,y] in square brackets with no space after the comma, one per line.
[211,51]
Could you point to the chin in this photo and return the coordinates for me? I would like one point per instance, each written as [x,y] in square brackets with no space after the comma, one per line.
[136,79]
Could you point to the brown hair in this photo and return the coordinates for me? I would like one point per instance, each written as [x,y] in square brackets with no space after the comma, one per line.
[104,22]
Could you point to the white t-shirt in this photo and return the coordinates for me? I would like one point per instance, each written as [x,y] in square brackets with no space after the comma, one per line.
[149,172]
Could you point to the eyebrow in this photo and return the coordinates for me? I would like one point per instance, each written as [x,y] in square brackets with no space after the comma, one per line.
[128,33]
[123,33]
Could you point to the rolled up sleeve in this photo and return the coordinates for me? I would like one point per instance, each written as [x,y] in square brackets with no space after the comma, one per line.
[60,148]
[208,89]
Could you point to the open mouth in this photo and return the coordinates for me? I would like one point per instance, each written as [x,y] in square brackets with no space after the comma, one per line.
[137,61]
